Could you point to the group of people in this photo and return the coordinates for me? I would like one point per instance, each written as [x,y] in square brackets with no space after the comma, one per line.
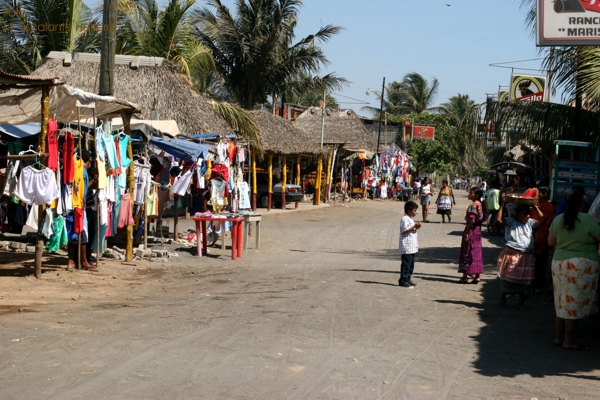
[530,233]
[424,191]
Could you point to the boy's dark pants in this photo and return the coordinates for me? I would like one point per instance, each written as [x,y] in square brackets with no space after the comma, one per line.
[407,267]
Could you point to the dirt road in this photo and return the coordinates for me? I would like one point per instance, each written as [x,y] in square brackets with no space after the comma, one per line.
[316,313]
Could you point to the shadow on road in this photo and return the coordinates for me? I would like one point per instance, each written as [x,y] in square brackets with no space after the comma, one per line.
[515,342]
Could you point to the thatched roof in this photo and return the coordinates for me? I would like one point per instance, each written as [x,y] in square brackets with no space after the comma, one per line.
[160,87]
[278,135]
[341,127]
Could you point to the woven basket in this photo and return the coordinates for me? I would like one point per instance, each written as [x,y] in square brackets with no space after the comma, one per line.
[518,200]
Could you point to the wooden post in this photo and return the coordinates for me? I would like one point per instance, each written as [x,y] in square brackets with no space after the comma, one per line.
[78,264]
[39,241]
[328,176]
[130,184]
[319,180]
[298,172]
[175,217]
[144,208]
[98,239]
[283,180]
[270,158]
[253,181]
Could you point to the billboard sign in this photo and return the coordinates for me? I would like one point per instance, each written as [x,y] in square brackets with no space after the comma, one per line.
[421,132]
[568,22]
[527,87]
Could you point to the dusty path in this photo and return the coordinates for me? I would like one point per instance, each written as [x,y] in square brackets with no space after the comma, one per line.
[315,314]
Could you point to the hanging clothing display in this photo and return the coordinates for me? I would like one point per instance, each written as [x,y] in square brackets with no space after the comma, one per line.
[143,180]
[52,144]
[181,183]
[68,150]
[36,186]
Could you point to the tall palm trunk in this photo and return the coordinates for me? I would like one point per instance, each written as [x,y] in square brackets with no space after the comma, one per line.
[108,48]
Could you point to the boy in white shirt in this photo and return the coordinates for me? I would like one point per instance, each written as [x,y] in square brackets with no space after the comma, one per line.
[408,244]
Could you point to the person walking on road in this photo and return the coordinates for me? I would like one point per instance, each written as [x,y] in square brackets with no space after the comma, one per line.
[426,192]
[445,201]
[470,261]
[409,245]
[575,236]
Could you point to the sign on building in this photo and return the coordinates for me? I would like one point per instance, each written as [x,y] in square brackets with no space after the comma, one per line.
[568,23]
[421,132]
[527,87]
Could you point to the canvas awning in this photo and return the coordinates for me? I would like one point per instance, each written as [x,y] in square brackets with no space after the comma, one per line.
[357,153]
[181,148]
[21,131]
[150,128]
[23,106]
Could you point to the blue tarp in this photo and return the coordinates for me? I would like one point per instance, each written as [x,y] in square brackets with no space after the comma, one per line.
[211,136]
[21,131]
[181,148]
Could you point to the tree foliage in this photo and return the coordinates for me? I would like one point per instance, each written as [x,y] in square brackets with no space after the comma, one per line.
[30,29]
[254,50]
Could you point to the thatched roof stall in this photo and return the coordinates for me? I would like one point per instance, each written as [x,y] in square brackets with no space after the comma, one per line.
[279,135]
[342,127]
[151,82]
[18,104]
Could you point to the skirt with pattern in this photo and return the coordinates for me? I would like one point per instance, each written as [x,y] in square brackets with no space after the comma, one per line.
[516,266]
[575,283]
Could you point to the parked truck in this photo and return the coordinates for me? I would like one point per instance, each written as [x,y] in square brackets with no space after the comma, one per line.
[575,163]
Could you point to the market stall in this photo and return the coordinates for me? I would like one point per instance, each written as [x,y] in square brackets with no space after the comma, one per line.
[36,180]
[208,177]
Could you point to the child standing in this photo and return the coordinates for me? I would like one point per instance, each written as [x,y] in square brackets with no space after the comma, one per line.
[408,244]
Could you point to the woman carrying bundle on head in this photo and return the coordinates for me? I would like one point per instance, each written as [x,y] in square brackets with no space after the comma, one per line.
[516,263]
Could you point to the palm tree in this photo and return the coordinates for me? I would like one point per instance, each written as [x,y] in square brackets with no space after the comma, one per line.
[146,30]
[254,51]
[457,106]
[33,28]
[414,95]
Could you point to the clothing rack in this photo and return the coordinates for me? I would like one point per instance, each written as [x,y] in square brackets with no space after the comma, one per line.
[23,156]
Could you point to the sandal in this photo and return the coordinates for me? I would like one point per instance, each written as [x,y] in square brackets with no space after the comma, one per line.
[91,268]
[463,280]
[476,281]
[580,347]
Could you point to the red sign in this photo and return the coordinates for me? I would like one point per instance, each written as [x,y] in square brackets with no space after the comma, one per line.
[423,132]
[590,5]
[532,97]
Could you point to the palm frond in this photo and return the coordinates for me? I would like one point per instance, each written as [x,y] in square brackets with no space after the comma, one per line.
[241,122]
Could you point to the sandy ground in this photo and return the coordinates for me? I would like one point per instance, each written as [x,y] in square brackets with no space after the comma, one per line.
[316,313]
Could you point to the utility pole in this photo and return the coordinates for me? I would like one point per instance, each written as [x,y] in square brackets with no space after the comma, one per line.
[108,47]
[380,115]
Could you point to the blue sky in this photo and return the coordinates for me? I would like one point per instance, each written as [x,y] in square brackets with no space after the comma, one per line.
[390,38]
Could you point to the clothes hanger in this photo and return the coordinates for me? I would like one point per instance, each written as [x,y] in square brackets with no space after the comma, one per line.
[30,150]
[37,163]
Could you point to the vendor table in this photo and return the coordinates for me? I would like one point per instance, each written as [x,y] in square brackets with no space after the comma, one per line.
[236,234]
[248,220]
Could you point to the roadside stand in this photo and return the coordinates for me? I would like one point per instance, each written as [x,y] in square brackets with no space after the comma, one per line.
[45,179]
